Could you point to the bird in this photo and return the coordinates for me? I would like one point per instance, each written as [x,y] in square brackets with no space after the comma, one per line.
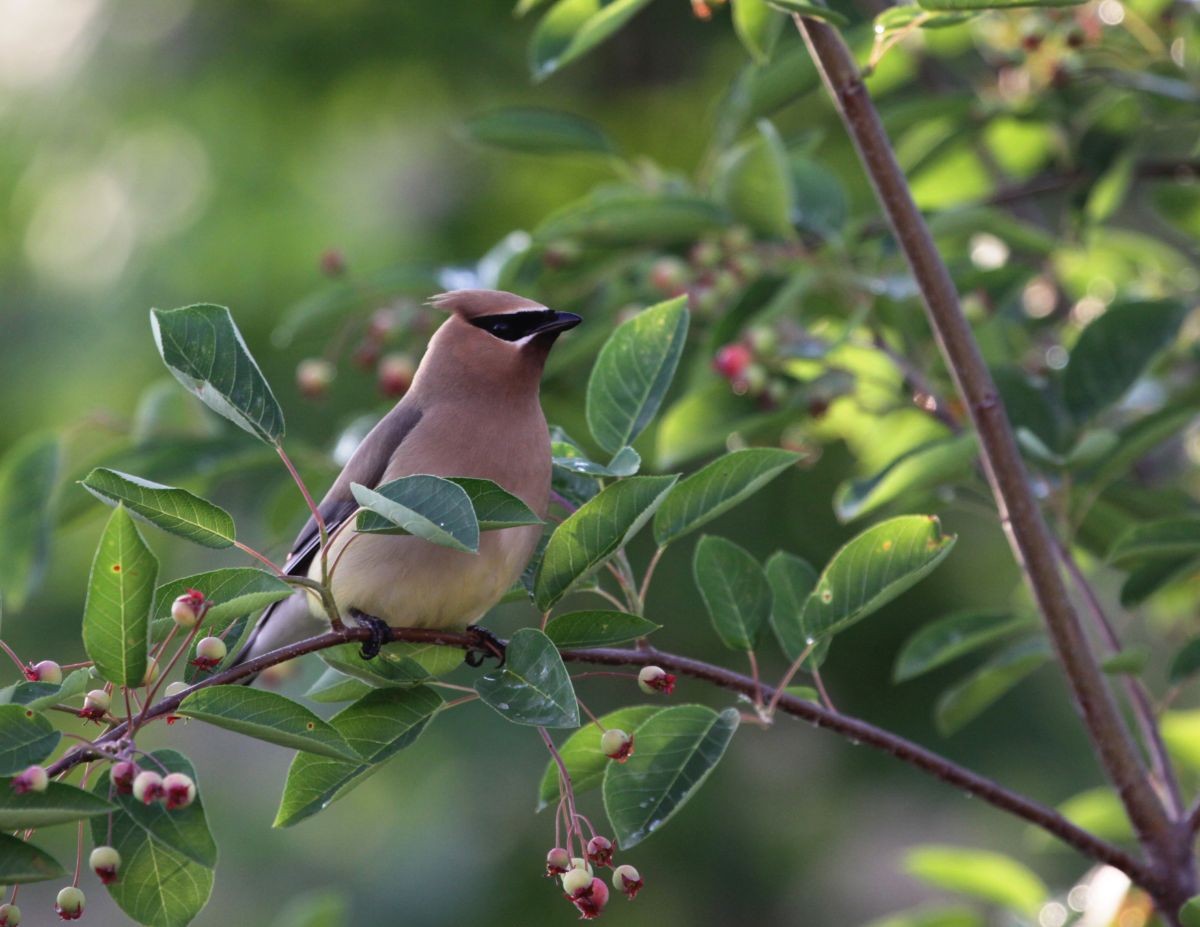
[473,410]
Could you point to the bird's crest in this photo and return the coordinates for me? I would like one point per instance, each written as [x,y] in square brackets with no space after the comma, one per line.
[471,304]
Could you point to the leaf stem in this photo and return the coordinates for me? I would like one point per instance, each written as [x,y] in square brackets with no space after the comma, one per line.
[257,556]
[13,656]
[788,677]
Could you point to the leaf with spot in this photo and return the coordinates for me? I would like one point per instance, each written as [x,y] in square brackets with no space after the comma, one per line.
[571,28]
[204,350]
[674,751]
[266,716]
[872,569]
[22,862]
[979,874]
[535,130]
[175,510]
[951,637]
[533,687]
[28,472]
[735,591]
[582,756]
[58,804]
[965,701]
[429,507]
[377,726]
[116,615]
[26,737]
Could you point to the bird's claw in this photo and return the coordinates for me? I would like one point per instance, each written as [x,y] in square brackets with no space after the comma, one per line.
[484,644]
[381,633]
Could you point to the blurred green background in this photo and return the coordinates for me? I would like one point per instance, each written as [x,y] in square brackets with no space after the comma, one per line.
[163,152]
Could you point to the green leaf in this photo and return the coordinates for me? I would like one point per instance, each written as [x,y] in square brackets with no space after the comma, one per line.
[234,593]
[203,348]
[41,695]
[956,5]
[1098,811]
[533,687]
[582,756]
[626,462]
[1128,662]
[1114,350]
[1144,581]
[717,488]
[700,422]
[755,183]
[495,507]
[534,130]
[175,510]
[921,468]
[735,591]
[596,531]
[933,917]
[266,716]
[116,615]
[320,908]
[28,472]
[756,26]
[397,665]
[673,753]
[1166,539]
[22,862]
[951,637]
[426,506]
[571,28]
[979,874]
[377,726]
[872,569]
[633,218]
[633,372]
[1189,913]
[57,805]
[966,700]
[821,202]
[1186,662]
[577,630]
[812,11]
[1111,188]
[792,580]
[332,686]
[167,857]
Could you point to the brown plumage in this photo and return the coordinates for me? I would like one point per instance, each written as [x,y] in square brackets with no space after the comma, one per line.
[472,411]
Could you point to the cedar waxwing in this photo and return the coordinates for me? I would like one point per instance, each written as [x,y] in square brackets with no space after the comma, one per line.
[472,411]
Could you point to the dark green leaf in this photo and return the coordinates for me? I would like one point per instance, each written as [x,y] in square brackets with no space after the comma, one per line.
[1189,914]
[495,507]
[426,506]
[571,28]
[1167,539]
[716,488]
[234,593]
[266,716]
[955,5]
[1144,581]
[820,202]
[872,569]
[811,11]
[58,804]
[582,756]
[757,27]
[597,629]
[595,532]
[41,695]
[673,753]
[1114,350]
[1186,662]
[633,218]
[792,580]
[534,130]
[175,510]
[633,372]
[398,664]
[116,615]
[951,637]
[332,686]
[978,874]
[27,475]
[964,702]
[203,348]
[626,462]
[922,468]
[933,917]
[533,687]
[377,726]
[756,185]
[22,862]
[735,591]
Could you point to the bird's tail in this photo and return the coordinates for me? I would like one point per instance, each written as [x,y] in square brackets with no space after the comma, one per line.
[281,624]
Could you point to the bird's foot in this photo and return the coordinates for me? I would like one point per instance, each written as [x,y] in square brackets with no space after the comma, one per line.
[381,633]
[484,644]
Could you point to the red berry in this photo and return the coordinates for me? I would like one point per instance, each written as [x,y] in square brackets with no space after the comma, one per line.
[123,775]
[33,779]
[591,901]
[732,360]
[600,851]
[395,372]
[333,263]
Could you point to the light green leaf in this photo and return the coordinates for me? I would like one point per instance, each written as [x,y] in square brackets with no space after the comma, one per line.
[319,908]
[1166,539]
[872,569]
[203,348]
[735,591]
[58,804]
[332,686]
[28,472]
[1098,811]
[933,917]
[577,630]
[755,184]
[377,726]
[596,531]
[633,372]
[1114,350]
[426,506]
[582,756]
[1189,913]
[716,488]
[673,753]
[571,28]
[812,11]
[965,701]
[956,5]
[632,218]
[756,26]
[821,203]
[116,615]
[41,695]
[266,716]
[700,422]
[22,862]
[534,130]
[495,507]
[175,510]
[951,637]
[397,665]
[533,687]
[625,462]
[922,468]
[792,580]
[1111,188]
[234,593]
[978,874]
[1127,662]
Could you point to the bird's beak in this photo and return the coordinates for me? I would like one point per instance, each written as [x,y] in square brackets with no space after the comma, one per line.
[560,323]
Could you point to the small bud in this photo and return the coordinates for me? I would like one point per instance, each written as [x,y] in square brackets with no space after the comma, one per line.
[95,704]
[69,903]
[395,374]
[209,652]
[189,608]
[123,775]
[180,790]
[46,671]
[616,745]
[576,881]
[33,779]
[148,787]
[558,861]
[10,915]
[591,902]
[731,360]
[152,670]
[600,851]
[652,679]
[105,861]
[627,879]
[313,376]
[333,263]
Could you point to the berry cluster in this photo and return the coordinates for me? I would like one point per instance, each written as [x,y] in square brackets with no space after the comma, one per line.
[580,885]
[747,364]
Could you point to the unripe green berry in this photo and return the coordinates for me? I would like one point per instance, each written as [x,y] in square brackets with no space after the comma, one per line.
[188,609]
[211,649]
[10,915]
[628,880]
[576,881]
[148,787]
[578,862]
[180,790]
[105,861]
[616,744]
[313,376]
[69,903]
[654,679]
[97,700]
[174,688]
[48,671]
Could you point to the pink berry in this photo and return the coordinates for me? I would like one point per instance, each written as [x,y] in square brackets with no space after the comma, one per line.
[591,902]
[558,861]
[10,915]
[33,779]
[732,360]
[189,608]
[395,374]
[148,787]
[600,851]
[179,789]
[45,671]
[669,276]
[628,880]
[123,775]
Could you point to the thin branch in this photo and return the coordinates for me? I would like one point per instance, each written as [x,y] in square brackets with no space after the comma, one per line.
[257,556]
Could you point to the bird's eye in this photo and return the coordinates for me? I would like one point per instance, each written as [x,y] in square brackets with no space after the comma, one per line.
[513,326]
